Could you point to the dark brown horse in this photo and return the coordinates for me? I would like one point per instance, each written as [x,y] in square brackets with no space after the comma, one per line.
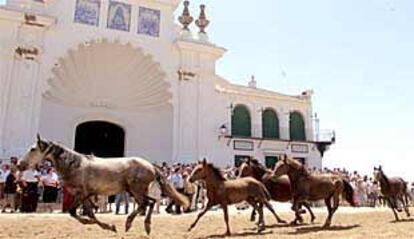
[88,176]
[313,187]
[279,188]
[223,192]
[393,190]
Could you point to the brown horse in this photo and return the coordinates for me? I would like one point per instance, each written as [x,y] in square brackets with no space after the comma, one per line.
[393,190]
[279,188]
[311,187]
[226,192]
[88,176]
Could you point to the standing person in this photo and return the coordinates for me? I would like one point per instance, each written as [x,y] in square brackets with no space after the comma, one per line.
[123,196]
[177,181]
[10,190]
[189,191]
[2,181]
[51,186]
[30,180]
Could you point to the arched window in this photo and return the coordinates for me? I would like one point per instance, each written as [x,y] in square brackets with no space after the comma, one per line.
[270,124]
[241,122]
[297,127]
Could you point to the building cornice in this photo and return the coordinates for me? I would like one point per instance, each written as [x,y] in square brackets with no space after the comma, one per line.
[226,87]
[199,46]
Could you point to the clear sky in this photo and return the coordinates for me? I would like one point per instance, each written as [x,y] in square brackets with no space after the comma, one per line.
[358,57]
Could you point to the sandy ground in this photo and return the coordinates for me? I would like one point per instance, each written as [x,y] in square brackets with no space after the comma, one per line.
[347,223]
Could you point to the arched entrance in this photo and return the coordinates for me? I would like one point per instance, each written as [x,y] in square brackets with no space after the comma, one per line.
[100,138]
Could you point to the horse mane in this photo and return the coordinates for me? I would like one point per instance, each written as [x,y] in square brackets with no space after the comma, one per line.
[258,165]
[216,172]
[386,179]
[69,157]
[300,167]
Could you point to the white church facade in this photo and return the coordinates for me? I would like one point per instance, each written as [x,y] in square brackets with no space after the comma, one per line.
[122,78]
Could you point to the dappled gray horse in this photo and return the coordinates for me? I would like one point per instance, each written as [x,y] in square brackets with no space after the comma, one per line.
[88,176]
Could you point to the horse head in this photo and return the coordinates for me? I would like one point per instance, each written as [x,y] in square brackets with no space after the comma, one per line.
[199,172]
[35,154]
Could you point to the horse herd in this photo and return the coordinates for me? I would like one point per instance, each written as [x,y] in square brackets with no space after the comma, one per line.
[88,176]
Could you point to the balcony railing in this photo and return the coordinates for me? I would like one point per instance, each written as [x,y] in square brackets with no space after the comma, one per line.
[256,132]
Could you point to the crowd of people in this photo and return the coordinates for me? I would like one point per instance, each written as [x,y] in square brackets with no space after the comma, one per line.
[23,191]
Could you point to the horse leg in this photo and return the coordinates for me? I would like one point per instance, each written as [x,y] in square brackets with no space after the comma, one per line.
[270,208]
[329,207]
[141,201]
[149,214]
[261,225]
[296,209]
[201,214]
[253,215]
[89,211]
[226,218]
[392,205]
[405,205]
[307,206]
[72,211]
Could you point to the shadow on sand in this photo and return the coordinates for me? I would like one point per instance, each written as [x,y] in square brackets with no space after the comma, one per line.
[404,220]
[237,234]
[304,230]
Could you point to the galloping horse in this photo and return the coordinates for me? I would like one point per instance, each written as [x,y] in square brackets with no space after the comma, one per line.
[88,176]
[393,189]
[311,187]
[226,192]
[279,188]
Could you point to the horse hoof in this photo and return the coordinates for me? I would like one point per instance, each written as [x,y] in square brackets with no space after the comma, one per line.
[293,223]
[113,228]
[127,227]
[281,221]
[148,229]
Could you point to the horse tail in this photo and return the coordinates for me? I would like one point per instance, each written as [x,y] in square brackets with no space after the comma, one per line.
[168,189]
[349,193]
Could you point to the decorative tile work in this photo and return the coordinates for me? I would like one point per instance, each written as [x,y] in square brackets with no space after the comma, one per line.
[119,16]
[149,21]
[87,12]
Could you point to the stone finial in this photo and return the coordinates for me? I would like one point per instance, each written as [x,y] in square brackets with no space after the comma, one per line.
[186,19]
[202,21]
[253,83]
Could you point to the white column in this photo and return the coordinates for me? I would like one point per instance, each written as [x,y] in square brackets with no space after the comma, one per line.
[22,110]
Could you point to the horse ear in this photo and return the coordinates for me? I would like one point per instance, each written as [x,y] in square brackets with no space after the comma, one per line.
[38,137]
[380,168]
[204,162]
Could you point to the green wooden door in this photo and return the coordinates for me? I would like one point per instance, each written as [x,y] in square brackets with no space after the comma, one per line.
[270,161]
[241,122]
[297,127]
[270,124]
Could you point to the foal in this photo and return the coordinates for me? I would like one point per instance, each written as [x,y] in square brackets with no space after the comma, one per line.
[313,187]
[89,176]
[226,192]
[279,188]
[393,190]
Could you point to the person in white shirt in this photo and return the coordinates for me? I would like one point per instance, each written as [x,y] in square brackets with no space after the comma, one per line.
[51,186]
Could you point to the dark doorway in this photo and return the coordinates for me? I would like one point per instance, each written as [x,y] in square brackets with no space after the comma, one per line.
[100,138]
